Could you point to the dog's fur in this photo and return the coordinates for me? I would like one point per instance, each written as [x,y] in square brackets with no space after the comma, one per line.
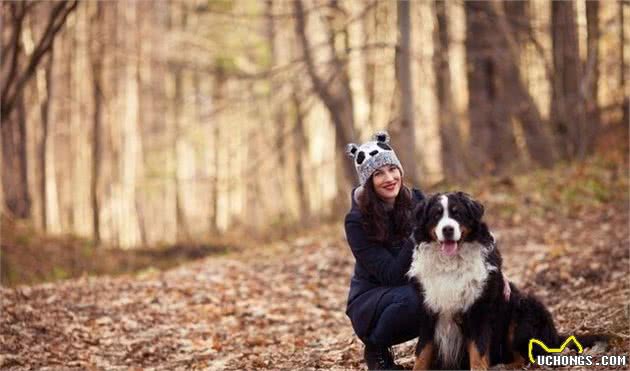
[457,269]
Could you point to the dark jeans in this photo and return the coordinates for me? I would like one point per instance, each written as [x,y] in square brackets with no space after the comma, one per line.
[397,318]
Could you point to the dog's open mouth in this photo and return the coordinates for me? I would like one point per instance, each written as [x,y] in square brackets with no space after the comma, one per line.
[449,248]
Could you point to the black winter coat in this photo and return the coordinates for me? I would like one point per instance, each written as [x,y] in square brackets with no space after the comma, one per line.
[378,268]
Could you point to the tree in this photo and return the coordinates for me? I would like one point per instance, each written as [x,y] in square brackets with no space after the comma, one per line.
[590,81]
[333,87]
[300,148]
[491,135]
[96,53]
[518,99]
[567,110]
[403,129]
[625,106]
[454,160]
[15,74]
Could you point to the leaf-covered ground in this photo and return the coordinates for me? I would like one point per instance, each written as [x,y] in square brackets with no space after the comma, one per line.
[564,236]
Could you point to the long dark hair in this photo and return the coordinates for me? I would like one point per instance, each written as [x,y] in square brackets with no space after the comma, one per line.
[375,218]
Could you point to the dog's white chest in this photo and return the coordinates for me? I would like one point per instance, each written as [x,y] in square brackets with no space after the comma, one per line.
[451,284]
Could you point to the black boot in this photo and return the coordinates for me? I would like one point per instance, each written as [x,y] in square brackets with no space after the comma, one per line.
[380,358]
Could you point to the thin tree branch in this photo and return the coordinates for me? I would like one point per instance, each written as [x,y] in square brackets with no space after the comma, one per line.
[57,19]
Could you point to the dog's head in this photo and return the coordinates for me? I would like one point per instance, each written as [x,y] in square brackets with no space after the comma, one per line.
[449,219]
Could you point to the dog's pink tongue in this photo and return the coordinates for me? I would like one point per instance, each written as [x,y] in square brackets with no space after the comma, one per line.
[449,248]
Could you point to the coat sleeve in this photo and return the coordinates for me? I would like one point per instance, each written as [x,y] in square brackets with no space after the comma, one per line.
[389,270]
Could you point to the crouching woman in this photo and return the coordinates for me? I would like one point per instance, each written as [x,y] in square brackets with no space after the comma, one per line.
[384,307]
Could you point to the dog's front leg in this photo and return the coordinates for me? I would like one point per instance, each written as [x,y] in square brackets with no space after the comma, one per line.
[478,335]
[479,356]
[425,348]
[424,355]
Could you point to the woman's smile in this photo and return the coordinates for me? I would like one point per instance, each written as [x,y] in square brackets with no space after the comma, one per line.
[391,186]
[387,182]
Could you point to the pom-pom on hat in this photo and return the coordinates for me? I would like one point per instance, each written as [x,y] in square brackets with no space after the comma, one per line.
[371,155]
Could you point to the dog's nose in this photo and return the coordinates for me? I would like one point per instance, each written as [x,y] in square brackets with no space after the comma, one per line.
[448,231]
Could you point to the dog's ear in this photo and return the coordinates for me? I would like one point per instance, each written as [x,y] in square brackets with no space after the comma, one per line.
[419,210]
[484,236]
[420,216]
[475,208]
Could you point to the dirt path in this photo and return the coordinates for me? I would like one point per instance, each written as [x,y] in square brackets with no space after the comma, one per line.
[283,306]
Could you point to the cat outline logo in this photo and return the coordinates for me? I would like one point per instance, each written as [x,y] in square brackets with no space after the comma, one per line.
[552,350]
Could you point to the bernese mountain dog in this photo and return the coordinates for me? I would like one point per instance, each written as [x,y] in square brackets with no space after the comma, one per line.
[468,322]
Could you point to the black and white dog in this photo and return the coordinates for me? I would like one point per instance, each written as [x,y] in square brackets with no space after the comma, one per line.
[457,268]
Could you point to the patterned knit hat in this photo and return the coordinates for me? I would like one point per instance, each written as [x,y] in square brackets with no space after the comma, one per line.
[371,155]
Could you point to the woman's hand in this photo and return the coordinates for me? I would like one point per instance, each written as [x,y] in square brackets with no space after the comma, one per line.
[506,288]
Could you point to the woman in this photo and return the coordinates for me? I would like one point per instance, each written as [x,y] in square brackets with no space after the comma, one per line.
[383,306]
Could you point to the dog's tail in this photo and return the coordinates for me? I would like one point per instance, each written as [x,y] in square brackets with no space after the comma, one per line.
[588,341]
[537,333]
[558,342]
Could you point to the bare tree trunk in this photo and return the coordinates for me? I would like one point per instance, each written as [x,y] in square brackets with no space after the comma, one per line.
[454,160]
[45,110]
[370,26]
[492,138]
[300,148]
[182,230]
[518,98]
[625,106]
[14,174]
[591,75]
[14,170]
[567,111]
[180,216]
[518,19]
[278,115]
[97,51]
[333,89]
[277,110]
[403,133]
[217,101]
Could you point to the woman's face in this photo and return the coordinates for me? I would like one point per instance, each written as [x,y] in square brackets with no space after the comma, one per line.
[387,182]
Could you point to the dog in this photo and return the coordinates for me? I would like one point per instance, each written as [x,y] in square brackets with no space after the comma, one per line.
[456,266]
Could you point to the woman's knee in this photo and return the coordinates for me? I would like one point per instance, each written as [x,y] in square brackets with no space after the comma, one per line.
[400,318]
[396,320]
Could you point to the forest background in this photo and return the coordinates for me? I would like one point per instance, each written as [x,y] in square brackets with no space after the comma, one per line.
[196,123]
[137,136]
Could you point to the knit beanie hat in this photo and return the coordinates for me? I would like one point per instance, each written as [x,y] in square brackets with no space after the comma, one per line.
[371,155]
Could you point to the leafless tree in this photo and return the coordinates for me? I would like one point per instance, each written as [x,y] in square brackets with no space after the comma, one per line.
[454,159]
[16,72]
[491,135]
[518,98]
[590,79]
[403,128]
[331,83]
[567,109]
[97,51]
